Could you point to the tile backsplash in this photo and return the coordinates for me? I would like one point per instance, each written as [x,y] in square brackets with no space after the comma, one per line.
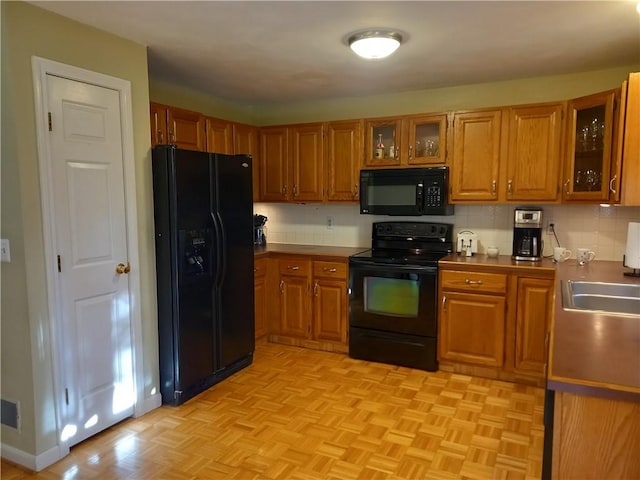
[601,229]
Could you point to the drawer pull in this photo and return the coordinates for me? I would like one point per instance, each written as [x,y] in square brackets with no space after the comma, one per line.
[331,270]
[281,286]
[472,282]
[295,267]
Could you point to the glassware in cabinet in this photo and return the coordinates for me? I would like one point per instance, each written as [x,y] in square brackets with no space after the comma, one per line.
[427,139]
[382,143]
[589,152]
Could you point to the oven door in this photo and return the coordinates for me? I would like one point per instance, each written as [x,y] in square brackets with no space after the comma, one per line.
[393,298]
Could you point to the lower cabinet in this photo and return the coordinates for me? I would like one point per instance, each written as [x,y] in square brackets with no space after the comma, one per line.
[312,309]
[494,323]
[260,296]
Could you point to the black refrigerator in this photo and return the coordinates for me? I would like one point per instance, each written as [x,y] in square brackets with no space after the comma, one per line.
[203,211]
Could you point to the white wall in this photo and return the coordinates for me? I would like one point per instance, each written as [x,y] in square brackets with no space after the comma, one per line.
[602,229]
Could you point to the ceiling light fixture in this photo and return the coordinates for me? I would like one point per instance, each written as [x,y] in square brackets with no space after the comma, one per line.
[375,44]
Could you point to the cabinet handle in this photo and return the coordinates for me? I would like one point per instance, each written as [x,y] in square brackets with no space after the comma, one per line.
[284,190]
[331,270]
[410,152]
[315,290]
[611,189]
[295,190]
[255,270]
[509,186]
[281,286]
[494,186]
[160,137]
[295,267]
[357,193]
[472,282]
[444,303]
[172,138]
[566,186]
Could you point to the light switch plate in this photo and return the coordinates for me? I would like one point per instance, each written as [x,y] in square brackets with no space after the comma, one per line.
[5,253]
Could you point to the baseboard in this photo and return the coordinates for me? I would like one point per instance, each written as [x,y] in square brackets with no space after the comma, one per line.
[33,462]
[148,404]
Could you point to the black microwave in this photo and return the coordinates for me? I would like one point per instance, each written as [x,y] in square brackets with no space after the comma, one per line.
[405,191]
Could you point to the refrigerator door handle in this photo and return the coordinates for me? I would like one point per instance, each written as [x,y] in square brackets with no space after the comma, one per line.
[221,249]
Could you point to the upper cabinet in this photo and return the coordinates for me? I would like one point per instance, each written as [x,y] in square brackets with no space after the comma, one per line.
[274,164]
[184,128]
[291,163]
[245,141]
[534,152]
[405,141]
[592,126]
[219,135]
[475,164]
[630,148]
[507,155]
[343,158]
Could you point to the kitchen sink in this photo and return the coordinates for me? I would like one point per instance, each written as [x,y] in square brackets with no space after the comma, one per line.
[614,298]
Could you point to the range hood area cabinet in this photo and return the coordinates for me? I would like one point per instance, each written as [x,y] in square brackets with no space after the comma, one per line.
[507,155]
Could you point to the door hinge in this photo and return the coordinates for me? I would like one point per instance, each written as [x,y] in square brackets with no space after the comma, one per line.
[59,264]
[66,395]
[49,118]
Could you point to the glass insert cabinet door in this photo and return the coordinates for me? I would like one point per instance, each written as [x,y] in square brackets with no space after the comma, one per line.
[426,139]
[590,144]
[409,140]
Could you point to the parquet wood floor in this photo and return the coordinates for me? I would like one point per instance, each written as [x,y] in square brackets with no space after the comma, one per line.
[308,415]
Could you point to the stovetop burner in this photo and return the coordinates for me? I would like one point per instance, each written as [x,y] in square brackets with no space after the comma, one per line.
[408,243]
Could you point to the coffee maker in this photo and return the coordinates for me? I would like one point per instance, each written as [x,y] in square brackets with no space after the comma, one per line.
[527,234]
[259,238]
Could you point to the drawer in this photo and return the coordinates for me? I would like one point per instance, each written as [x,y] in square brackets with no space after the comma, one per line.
[294,266]
[259,267]
[330,269]
[474,281]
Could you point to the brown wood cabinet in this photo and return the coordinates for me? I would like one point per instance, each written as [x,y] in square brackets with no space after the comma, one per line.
[295,286]
[475,164]
[343,159]
[330,301]
[219,136]
[273,164]
[472,318]
[595,438]
[313,303]
[245,141]
[292,163]
[260,296]
[590,168]
[534,310]
[494,322]
[171,125]
[507,155]
[628,167]
[306,162]
[534,153]
[414,140]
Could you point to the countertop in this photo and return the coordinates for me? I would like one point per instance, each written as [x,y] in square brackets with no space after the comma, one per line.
[293,249]
[503,262]
[594,353]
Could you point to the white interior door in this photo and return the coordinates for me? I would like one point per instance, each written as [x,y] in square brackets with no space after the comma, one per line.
[90,234]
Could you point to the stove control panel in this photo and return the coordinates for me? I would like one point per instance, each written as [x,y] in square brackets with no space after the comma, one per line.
[440,231]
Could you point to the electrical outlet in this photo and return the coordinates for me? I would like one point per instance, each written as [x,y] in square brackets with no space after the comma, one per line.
[550,228]
[5,253]
[330,222]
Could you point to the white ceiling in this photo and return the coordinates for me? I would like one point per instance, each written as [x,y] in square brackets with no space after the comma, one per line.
[264,51]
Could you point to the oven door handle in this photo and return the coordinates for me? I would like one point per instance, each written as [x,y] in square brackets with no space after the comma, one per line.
[395,268]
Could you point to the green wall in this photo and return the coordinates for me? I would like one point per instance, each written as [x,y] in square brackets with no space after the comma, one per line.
[463,97]
[26,367]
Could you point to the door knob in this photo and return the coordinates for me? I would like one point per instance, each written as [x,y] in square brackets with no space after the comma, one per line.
[122,268]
